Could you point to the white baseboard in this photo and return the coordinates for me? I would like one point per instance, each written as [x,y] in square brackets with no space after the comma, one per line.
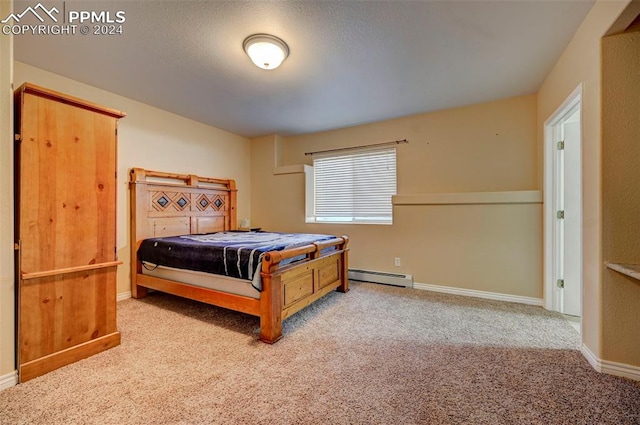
[124,295]
[593,360]
[602,366]
[611,368]
[9,380]
[479,294]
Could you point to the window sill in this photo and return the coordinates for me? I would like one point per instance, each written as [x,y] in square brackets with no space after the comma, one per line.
[376,223]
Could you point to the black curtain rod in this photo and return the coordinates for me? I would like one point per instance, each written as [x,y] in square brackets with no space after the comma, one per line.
[396,142]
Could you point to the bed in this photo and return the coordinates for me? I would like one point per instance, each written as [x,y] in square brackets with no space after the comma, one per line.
[171,208]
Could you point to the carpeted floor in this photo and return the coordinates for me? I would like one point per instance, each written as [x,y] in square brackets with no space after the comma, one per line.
[376,355]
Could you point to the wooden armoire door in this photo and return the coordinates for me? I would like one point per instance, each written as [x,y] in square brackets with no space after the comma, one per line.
[66,229]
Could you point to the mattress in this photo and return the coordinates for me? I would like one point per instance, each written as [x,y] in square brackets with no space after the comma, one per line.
[205,280]
[232,254]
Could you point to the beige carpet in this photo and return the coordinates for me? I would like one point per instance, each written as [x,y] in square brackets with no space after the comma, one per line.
[376,355]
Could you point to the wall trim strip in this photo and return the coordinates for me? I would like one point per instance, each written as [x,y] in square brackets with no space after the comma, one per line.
[9,380]
[124,296]
[479,294]
[609,367]
[470,198]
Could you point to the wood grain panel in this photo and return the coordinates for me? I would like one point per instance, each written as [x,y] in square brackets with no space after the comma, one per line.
[208,224]
[66,227]
[53,361]
[173,226]
[58,312]
[298,288]
[67,191]
[328,274]
[304,302]
[210,296]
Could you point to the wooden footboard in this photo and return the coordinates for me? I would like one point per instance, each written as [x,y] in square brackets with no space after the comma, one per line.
[288,289]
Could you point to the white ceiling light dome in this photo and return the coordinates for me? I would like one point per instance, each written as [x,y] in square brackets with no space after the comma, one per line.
[266,51]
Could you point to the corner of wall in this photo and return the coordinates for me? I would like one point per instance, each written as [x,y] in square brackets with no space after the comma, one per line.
[8,380]
[580,64]
[7,289]
[267,162]
[629,19]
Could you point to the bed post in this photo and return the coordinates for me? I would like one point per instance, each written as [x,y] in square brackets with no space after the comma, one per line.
[344,266]
[233,200]
[136,291]
[138,193]
[271,303]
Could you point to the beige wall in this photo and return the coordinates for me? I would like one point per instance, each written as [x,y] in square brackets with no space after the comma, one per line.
[621,195]
[580,63]
[7,356]
[480,148]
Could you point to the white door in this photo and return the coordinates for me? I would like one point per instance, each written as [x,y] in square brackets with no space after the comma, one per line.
[563,208]
[567,204]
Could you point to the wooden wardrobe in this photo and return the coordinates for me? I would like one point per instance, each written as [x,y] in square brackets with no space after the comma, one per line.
[65,227]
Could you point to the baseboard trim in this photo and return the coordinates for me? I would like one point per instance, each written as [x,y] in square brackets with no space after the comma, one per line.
[611,368]
[479,294]
[9,380]
[124,296]
[42,365]
[593,360]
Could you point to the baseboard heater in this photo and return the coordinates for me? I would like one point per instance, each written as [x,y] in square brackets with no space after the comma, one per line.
[385,278]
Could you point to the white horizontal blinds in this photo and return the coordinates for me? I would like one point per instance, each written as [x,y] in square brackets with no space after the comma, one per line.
[355,187]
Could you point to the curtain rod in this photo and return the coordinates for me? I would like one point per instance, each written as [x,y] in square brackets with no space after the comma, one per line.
[396,142]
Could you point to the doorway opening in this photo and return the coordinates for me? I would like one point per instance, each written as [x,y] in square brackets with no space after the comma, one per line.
[563,208]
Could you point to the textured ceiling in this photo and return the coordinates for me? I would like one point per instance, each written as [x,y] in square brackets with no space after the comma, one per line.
[351,62]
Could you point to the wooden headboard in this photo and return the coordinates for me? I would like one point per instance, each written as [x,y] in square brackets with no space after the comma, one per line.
[166,204]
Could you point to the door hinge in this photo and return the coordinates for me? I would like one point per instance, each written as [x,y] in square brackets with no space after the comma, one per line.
[560,283]
[560,214]
[17,137]
[561,145]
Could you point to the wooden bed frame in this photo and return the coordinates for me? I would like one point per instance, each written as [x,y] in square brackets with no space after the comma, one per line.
[165,204]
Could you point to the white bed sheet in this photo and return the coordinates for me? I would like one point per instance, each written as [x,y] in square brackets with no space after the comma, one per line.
[202,279]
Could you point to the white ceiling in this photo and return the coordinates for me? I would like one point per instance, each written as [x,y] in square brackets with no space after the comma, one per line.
[351,62]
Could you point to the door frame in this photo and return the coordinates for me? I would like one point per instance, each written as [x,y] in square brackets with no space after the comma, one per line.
[550,298]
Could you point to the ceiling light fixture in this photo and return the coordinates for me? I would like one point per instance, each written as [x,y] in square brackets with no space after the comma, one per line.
[266,51]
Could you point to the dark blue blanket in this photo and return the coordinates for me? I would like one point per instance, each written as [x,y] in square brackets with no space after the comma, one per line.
[234,254]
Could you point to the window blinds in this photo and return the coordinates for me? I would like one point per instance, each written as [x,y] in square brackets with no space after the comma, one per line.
[355,187]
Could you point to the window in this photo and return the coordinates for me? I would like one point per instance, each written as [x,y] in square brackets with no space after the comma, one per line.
[354,187]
